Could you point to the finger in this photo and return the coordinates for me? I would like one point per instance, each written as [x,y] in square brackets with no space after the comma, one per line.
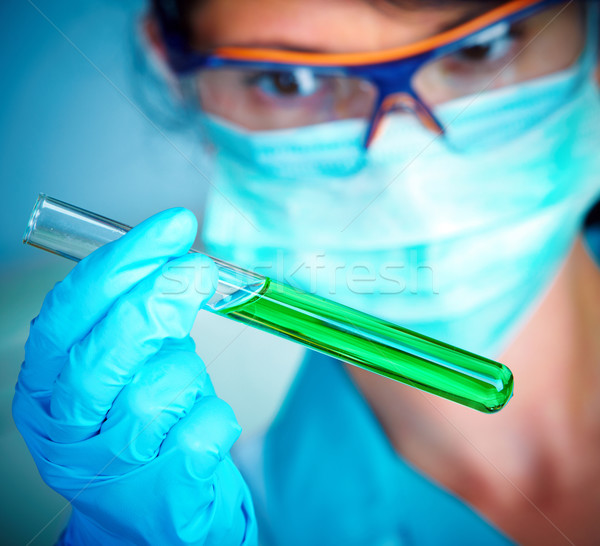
[163,306]
[223,495]
[203,438]
[72,308]
[160,394]
[79,301]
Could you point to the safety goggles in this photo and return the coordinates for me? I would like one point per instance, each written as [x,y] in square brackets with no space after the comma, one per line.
[266,89]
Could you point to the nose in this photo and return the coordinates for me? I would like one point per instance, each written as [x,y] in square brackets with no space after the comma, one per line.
[403,102]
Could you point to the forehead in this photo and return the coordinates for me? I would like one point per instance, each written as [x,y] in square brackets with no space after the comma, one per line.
[322,25]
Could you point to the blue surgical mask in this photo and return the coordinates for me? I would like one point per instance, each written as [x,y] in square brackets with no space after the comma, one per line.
[457,238]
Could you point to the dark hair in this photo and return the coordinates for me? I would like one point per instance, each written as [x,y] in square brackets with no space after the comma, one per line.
[174,15]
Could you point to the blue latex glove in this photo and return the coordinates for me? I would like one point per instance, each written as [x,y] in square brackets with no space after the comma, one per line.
[117,408]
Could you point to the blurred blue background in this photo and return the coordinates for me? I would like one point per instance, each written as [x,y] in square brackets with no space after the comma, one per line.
[71,132]
[72,128]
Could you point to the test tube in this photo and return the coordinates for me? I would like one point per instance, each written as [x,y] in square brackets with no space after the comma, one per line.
[315,322]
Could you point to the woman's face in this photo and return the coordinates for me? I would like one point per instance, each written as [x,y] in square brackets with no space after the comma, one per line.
[545,43]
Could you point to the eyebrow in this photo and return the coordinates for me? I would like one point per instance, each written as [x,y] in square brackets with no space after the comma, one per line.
[476,10]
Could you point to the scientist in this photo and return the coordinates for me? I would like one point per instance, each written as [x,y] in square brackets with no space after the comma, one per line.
[459,139]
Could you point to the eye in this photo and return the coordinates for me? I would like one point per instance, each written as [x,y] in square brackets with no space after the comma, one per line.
[301,82]
[490,45]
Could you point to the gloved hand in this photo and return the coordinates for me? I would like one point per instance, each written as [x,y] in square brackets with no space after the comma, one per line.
[117,408]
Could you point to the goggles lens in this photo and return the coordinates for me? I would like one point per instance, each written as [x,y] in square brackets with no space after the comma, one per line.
[281,98]
[503,55]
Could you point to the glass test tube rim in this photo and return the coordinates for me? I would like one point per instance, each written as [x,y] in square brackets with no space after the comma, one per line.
[45,200]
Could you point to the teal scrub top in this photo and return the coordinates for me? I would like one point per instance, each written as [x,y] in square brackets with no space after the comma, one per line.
[325,473]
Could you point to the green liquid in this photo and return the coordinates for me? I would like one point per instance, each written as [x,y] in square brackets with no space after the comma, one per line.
[377,346]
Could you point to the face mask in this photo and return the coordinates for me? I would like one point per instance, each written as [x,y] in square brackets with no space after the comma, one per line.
[458,245]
